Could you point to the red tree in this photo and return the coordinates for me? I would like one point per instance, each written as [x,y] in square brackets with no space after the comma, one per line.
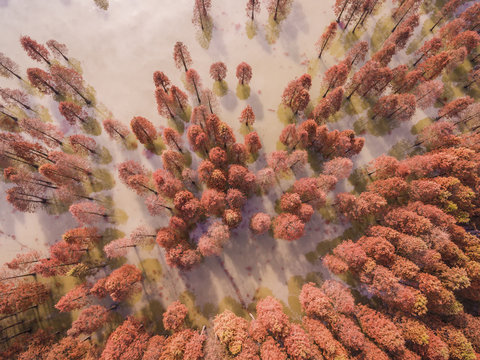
[335,76]
[87,212]
[244,73]
[247,116]
[128,341]
[8,67]
[428,92]
[218,71]
[193,83]
[200,13]
[433,66]
[143,130]
[454,107]
[58,49]
[49,134]
[358,52]
[115,129]
[329,33]
[399,107]
[72,112]
[288,227]
[252,7]
[90,320]
[120,283]
[42,80]
[252,142]
[36,51]
[69,81]
[279,9]
[428,49]
[174,317]
[447,10]
[181,56]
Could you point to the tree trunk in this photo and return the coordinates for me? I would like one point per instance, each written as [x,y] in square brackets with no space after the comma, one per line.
[343,9]
[435,25]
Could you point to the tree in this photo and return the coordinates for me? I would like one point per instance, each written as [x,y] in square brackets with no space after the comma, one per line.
[8,67]
[335,76]
[197,138]
[401,35]
[42,80]
[381,329]
[329,33]
[428,49]
[247,116]
[406,8]
[252,142]
[252,7]
[218,71]
[22,295]
[200,13]
[213,201]
[172,139]
[49,134]
[428,92]
[69,81]
[160,79]
[279,9]
[120,283]
[447,10]
[87,212]
[339,7]
[212,242]
[115,129]
[128,341]
[339,167]
[58,49]
[74,299]
[174,317]
[70,348]
[340,296]
[366,8]
[193,83]
[35,50]
[118,247]
[16,97]
[164,103]
[82,144]
[353,11]
[467,39]
[288,227]
[361,207]
[241,178]
[399,107]
[358,52]
[470,16]
[72,112]
[84,236]
[143,129]
[244,73]
[224,135]
[451,29]
[260,223]
[90,320]
[181,56]
[366,78]
[385,54]
[173,162]
[454,107]
[311,190]
[473,76]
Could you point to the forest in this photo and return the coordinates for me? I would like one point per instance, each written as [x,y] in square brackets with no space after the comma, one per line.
[388,239]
